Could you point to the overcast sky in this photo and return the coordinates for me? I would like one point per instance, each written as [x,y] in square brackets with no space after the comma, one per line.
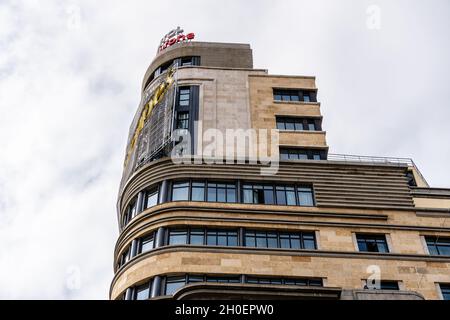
[70,77]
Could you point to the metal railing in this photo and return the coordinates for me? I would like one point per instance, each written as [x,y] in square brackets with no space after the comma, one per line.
[369,159]
[376,160]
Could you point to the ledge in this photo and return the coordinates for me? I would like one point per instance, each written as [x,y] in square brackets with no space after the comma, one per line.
[284,252]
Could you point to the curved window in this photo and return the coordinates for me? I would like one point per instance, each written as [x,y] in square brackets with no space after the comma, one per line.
[146,243]
[202,236]
[284,240]
[187,61]
[211,191]
[278,194]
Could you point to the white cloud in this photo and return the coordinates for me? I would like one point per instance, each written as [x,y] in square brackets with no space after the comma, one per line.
[69,86]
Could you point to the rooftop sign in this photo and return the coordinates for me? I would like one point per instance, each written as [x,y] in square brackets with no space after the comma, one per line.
[174,36]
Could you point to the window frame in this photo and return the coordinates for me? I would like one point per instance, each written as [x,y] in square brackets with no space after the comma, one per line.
[262,187]
[436,247]
[366,236]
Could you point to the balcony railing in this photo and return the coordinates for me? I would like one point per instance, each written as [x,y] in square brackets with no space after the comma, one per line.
[376,160]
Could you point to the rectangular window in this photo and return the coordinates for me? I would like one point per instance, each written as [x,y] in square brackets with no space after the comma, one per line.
[142,292]
[305,196]
[294,95]
[221,192]
[197,236]
[221,237]
[372,243]
[285,240]
[287,281]
[173,284]
[298,124]
[147,243]
[151,198]
[445,290]
[125,257]
[223,279]
[438,246]
[258,194]
[184,95]
[302,154]
[286,195]
[198,191]
[177,236]
[280,195]
[180,191]
[182,120]
[383,285]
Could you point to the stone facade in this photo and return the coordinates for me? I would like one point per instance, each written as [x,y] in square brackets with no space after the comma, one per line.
[350,198]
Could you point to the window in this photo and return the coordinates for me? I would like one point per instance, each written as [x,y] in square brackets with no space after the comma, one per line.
[151,198]
[384,285]
[281,281]
[130,212]
[198,191]
[182,120]
[125,257]
[286,195]
[285,240]
[146,243]
[294,95]
[221,237]
[142,292]
[173,284]
[221,192]
[372,243]
[223,279]
[262,194]
[279,194]
[302,154]
[438,246]
[177,236]
[180,191]
[197,236]
[305,196]
[298,124]
[204,236]
[445,290]
[184,96]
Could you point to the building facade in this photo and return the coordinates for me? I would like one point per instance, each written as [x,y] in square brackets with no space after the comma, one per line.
[321,226]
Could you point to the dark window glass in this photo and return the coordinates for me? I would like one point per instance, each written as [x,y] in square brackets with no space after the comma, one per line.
[306,97]
[173,284]
[445,290]
[293,95]
[177,236]
[130,211]
[301,154]
[182,120]
[223,279]
[389,285]
[438,246]
[198,191]
[125,257]
[258,194]
[372,243]
[296,124]
[221,237]
[142,292]
[285,240]
[289,281]
[147,243]
[180,191]
[151,198]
